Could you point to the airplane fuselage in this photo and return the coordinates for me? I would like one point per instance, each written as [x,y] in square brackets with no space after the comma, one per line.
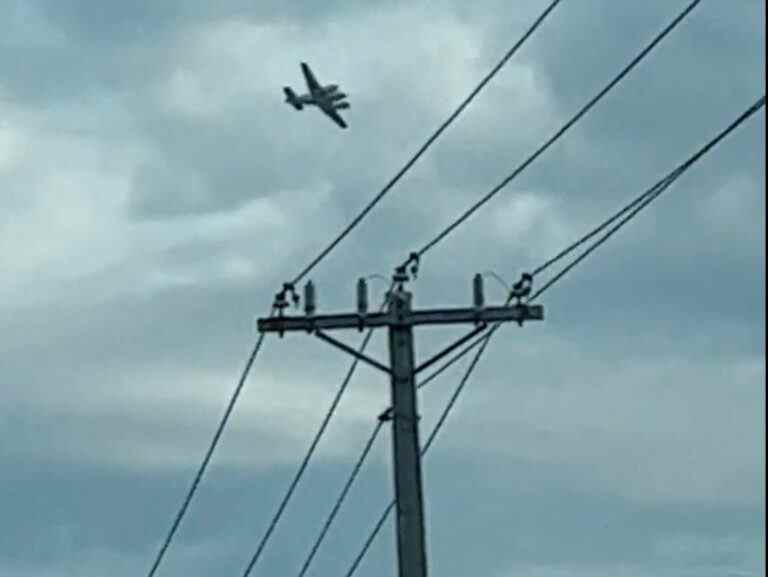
[323,97]
[327,98]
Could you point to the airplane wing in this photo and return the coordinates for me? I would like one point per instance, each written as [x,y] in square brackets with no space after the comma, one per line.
[312,82]
[335,116]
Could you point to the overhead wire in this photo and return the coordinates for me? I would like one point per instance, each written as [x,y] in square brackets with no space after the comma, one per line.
[583,111]
[629,211]
[324,253]
[307,457]
[623,216]
[340,499]
[208,454]
[294,483]
[396,178]
[566,251]
[562,130]
[484,339]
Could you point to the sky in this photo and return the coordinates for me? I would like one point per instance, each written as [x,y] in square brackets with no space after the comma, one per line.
[156,191]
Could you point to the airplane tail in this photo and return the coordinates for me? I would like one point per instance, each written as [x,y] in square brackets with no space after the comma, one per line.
[291,98]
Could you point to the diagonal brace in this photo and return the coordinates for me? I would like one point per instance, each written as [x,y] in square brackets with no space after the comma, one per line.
[479,329]
[355,353]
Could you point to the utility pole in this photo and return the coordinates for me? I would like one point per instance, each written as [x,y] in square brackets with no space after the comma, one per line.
[400,319]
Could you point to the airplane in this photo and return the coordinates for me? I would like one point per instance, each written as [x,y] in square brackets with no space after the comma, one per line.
[327,98]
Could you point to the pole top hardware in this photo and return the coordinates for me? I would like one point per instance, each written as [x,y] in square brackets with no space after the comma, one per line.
[407,271]
[281,298]
[521,289]
[386,416]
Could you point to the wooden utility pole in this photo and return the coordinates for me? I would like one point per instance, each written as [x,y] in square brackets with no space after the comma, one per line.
[400,319]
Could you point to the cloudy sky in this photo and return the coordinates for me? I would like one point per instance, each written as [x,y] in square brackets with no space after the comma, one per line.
[155,191]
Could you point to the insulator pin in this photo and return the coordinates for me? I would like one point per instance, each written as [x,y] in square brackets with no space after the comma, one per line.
[362,297]
[309,299]
[478,294]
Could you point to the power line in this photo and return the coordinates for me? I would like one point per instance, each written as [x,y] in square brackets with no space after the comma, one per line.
[342,496]
[376,199]
[209,453]
[343,234]
[251,359]
[637,204]
[629,212]
[302,468]
[643,200]
[311,266]
[560,132]
[313,446]
[448,364]
[566,251]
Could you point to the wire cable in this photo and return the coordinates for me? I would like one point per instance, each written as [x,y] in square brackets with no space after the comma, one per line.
[383,192]
[340,500]
[629,212]
[560,132]
[303,274]
[305,462]
[566,251]
[449,363]
[209,453]
[636,207]
[349,229]
[631,209]
[642,201]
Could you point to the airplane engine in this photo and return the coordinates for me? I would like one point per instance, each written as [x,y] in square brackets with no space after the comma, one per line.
[341,105]
[337,96]
[331,88]
[291,98]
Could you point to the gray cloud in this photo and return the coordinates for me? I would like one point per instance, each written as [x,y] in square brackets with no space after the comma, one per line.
[136,258]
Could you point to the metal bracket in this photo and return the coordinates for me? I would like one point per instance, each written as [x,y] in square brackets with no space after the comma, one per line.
[279,305]
[355,353]
[402,272]
[281,298]
[414,260]
[400,277]
[389,415]
[522,289]
[479,329]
